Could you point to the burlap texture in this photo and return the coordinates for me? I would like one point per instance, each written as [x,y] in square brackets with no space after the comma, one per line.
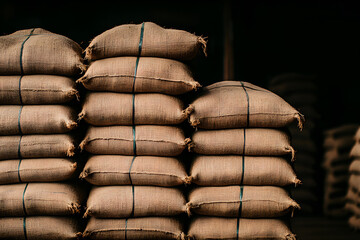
[104,109]
[36,170]
[258,141]
[355,167]
[39,52]
[143,170]
[150,140]
[36,146]
[225,105]
[257,202]
[118,202]
[136,228]
[354,222]
[158,75]
[39,199]
[37,89]
[228,170]
[40,228]
[205,228]
[36,119]
[124,40]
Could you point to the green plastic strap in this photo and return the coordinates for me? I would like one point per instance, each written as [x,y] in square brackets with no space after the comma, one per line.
[22,50]
[24,228]
[133,201]
[239,214]
[132,162]
[20,158]
[126,222]
[23,199]
[19,126]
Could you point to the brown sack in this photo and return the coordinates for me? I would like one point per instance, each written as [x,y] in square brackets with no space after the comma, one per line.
[352,208]
[231,104]
[104,109]
[355,151]
[40,228]
[355,167]
[134,201]
[39,199]
[205,228]
[37,51]
[149,140]
[124,40]
[158,75]
[150,228]
[37,89]
[354,182]
[344,130]
[258,141]
[36,170]
[354,222]
[36,119]
[228,170]
[143,170]
[36,146]
[257,202]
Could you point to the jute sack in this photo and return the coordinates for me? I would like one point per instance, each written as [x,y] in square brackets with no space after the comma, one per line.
[241,201]
[40,228]
[37,89]
[134,170]
[37,51]
[104,109]
[333,158]
[134,229]
[134,201]
[36,170]
[232,104]
[150,140]
[344,130]
[124,40]
[345,142]
[205,228]
[158,75]
[355,167]
[353,208]
[29,199]
[36,119]
[353,196]
[355,151]
[258,141]
[36,146]
[354,182]
[354,222]
[232,170]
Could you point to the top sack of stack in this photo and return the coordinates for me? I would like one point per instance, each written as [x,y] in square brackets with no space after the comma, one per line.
[37,51]
[233,104]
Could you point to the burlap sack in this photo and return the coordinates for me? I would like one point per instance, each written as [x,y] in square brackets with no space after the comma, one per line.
[36,119]
[353,208]
[354,182]
[205,228]
[257,202]
[344,130]
[355,167]
[134,201]
[354,222]
[258,141]
[150,140]
[36,146]
[36,170]
[39,199]
[104,109]
[355,151]
[139,170]
[37,51]
[231,104]
[228,170]
[158,75]
[37,89]
[357,134]
[345,142]
[153,228]
[124,40]
[40,228]
[333,158]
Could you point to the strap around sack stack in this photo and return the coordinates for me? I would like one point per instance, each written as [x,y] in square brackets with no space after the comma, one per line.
[239,213]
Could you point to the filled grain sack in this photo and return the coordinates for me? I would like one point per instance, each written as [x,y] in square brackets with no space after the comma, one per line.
[134,201]
[344,142]
[146,40]
[134,170]
[354,182]
[344,130]
[354,222]
[205,228]
[37,89]
[29,199]
[38,51]
[36,170]
[157,75]
[355,167]
[241,201]
[36,119]
[37,146]
[233,104]
[105,109]
[143,140]
[40,228]
[247,141]
[146,228]
[355,151]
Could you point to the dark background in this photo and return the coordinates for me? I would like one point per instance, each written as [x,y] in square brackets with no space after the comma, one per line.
[270,37]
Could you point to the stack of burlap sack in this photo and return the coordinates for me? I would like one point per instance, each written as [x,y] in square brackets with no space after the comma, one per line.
[37,94]
[134,139]
[242,165]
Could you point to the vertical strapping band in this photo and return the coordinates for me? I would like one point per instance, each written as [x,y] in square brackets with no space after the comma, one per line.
[247,125]
[22,50]
[239,215]
[23,199]
[19,116]
[126,222]
[20,157]
[133,201]
[20,97]
[24,228]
